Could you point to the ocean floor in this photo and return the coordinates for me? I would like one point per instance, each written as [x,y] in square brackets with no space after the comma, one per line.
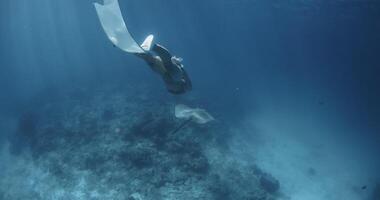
[110,144]
[311,161]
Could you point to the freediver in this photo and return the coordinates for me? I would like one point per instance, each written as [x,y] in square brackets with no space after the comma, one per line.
[169,67]
[158,57]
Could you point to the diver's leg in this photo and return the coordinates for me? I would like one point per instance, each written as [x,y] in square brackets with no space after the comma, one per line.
[163,53]
[154,62]
[147,57]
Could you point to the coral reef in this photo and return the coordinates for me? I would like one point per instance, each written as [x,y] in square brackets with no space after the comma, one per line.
[269,183]
[120,146]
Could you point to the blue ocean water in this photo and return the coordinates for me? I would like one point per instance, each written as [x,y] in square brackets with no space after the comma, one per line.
[293,86]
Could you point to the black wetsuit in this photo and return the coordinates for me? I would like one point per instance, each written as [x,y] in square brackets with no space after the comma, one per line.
[176,79]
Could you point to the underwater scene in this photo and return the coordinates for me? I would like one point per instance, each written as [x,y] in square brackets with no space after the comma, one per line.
[190,100]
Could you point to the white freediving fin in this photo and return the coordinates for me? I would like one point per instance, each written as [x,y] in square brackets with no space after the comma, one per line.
[114,26]
[147,44]
[198,115]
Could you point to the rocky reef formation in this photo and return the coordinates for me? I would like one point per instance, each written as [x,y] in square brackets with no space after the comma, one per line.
[113,145]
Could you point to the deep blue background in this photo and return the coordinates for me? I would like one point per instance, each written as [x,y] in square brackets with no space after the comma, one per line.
[240,54]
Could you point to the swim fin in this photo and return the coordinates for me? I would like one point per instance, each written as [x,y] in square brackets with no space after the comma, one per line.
[114,26]
[197,115]
[147,44]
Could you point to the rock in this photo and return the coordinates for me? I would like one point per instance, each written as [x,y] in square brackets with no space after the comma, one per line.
[218,188]
[269,183]
[194,162]
[198,165]
[140,156]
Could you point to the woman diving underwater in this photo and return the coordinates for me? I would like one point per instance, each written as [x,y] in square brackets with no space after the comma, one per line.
[158,58]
